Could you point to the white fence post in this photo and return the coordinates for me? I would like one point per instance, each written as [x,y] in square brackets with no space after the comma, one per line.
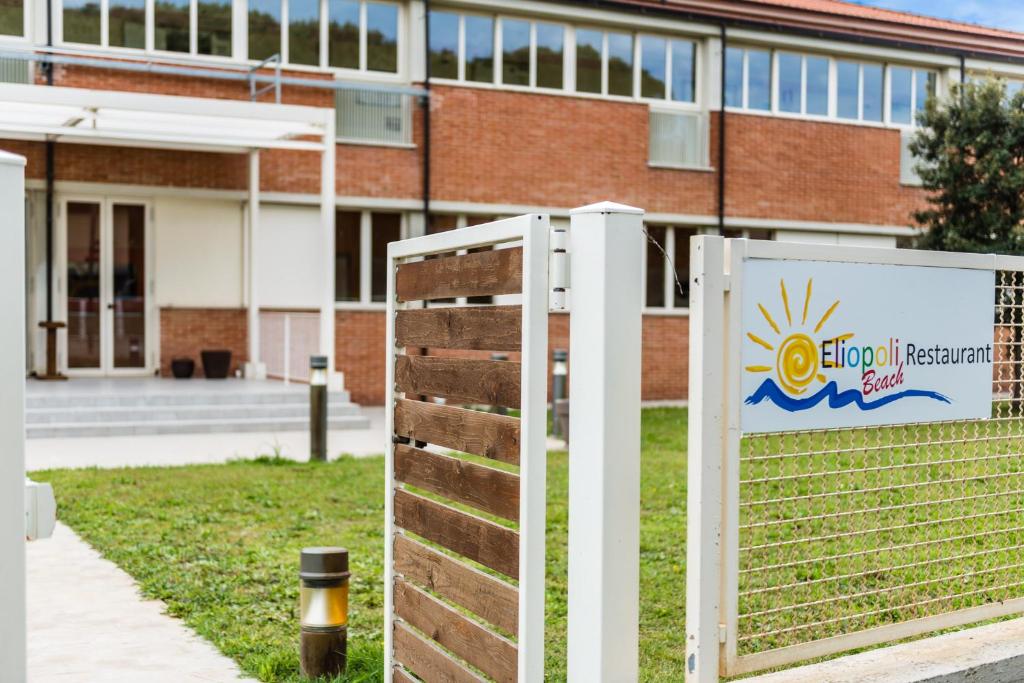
[704,459]
[12,419]
[604,456]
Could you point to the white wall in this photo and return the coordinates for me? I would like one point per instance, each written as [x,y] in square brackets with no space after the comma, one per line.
[198,252]
[288,257]
[847,239]
[12,419]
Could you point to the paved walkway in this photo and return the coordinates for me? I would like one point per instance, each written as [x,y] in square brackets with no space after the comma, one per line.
[190,449]
[87,623]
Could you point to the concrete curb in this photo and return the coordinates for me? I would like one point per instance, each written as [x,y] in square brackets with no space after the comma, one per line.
[989,654]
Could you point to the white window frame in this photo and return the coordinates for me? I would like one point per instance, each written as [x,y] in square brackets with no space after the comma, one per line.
[914,73]
[324,36]
[669,280]
[698,65]
[26,27]
[745,80]
[831,86]
[366,257]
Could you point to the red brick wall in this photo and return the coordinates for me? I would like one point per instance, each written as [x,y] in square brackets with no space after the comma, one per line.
[184,332]
[359,348]
[359,345]
[810,171]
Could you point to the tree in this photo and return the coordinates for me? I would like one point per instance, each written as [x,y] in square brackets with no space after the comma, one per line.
[970,151]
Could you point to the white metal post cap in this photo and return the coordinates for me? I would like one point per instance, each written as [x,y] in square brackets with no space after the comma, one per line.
[606,207]
[9,159]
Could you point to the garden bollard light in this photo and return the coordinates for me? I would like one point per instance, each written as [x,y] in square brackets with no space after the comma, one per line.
[500,410]
[318,408]
[323,611]
[559,375]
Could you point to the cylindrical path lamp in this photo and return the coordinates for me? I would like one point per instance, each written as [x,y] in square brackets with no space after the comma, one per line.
[323,611]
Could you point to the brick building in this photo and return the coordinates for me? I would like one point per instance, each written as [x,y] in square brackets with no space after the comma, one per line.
[773,119]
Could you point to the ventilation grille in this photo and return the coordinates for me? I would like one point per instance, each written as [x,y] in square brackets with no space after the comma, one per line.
[678,139]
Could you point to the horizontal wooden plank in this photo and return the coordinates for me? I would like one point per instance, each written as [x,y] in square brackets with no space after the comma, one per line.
[471,431]
[399,675]
[461,380]
[478,486]
[426,660]
[489,598]
[485,273]
[484,649]
[490,544]
[479,328]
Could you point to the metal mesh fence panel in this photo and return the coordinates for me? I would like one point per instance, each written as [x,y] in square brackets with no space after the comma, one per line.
[846,530]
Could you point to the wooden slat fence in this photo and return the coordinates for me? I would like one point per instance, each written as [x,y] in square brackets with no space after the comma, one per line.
[455,584]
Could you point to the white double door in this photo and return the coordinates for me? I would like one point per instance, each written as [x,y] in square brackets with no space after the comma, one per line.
[103,278]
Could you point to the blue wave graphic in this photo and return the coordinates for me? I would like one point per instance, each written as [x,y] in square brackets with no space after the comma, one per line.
[770,391]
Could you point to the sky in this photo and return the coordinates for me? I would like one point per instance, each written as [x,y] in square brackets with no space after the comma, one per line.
[1005,14]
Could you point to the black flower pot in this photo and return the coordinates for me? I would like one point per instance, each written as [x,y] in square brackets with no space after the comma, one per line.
[182,368]
[216,363]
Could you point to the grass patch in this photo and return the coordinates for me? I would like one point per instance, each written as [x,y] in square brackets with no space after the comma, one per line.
[219,544]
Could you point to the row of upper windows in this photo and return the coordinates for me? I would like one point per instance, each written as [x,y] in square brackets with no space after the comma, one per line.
[519,52]
[366,35]
[813,85]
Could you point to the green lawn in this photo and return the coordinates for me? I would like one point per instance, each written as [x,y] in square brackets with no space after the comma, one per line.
[896,521]
[220,545]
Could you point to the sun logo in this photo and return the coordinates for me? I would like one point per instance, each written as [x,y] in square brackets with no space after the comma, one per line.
[797,363]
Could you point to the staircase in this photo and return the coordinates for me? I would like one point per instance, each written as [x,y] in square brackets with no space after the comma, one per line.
[121,407]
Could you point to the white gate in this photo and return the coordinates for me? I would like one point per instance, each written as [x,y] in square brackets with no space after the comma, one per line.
[287,339]
[489,562]
[806,543]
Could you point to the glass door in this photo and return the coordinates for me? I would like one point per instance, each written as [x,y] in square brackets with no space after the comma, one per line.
[83,239]
[128,303]
[106,270]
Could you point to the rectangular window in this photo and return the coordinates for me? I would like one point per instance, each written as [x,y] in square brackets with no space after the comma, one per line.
[901,95]
[12,17]
[213,27]
[849,90]
[381,37]
[479,41]
[384,229]
[791,87]
[759,79]
[264,28]
[171,25]
[653,67]
[873,88]
[860,91]
[589,54]
[347,255]
[550,55]
[343,34]
[126,23]
[748,78]
[82,21]
[352,26]
[666,284]
[677,138]
[515,52]
[304,32]
[656,267]
[684,70]
[924,89]
[444,45]
[817,85]
[734,77]
[620,64]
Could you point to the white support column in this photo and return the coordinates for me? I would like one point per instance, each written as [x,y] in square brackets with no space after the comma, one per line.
[12,420]
[335,381]
[704,462]
[254,368]
[607,246]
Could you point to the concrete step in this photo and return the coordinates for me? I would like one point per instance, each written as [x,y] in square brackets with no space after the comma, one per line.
[174,398]
[168,413]
[193,426]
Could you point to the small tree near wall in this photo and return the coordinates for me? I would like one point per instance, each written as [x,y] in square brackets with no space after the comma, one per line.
[970,152]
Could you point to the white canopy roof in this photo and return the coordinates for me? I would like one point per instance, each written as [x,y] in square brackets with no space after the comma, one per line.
[104,117]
